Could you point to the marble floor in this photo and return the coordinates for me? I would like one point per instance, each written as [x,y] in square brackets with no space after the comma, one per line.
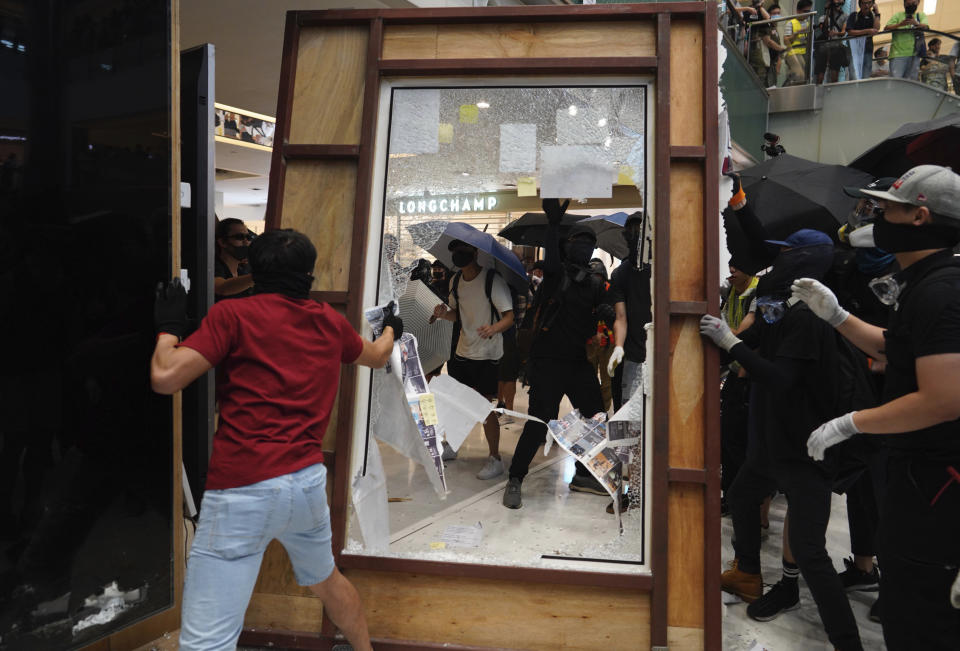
[797,629]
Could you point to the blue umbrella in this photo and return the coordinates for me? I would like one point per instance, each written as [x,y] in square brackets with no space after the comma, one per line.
[435,236]
[618,218]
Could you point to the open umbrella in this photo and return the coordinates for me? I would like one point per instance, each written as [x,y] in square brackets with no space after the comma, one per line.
[435,236]
[531,230]
[934,142]
[789,193]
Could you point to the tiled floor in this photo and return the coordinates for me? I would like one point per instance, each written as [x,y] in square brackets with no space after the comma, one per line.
[798,629]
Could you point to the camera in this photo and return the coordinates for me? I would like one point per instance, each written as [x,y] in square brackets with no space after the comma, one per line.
[771,146]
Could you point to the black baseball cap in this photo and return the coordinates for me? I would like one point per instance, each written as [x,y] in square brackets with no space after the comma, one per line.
[883,183]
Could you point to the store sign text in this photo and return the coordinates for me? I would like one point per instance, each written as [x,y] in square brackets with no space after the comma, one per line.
[465,203]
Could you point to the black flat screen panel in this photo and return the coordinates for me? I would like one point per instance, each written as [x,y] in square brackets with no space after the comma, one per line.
[85,445]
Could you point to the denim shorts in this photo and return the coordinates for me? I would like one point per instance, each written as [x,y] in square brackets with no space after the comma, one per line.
[236,525]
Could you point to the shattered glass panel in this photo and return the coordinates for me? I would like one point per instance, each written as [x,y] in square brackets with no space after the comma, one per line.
[463,163]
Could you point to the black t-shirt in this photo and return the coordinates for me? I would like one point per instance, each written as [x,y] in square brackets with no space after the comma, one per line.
[860,20]
[221,270]
[926,322]
[784,416]
[632,287]
[565,316]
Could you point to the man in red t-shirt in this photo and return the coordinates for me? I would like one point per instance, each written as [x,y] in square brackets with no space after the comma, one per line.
[278,357]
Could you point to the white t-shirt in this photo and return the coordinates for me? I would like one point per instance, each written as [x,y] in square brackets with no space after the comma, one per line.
[475,312]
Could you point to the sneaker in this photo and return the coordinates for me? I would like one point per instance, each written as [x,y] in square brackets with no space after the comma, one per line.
[449,454]
[511,496]
[587,484]
[783,596]
[748,587]
[492,468]
[874,614]
[854,578]
[624,504]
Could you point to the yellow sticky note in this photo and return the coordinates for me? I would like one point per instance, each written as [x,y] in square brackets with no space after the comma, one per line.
[438,545]
[445,133]
[526,186]
[625,177]
[469,114]
[428,409]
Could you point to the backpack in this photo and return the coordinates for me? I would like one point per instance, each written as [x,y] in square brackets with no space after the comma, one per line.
[488,289]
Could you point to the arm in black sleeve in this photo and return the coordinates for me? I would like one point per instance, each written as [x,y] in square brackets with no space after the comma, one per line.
[551,256]
[781,374]
[747,240]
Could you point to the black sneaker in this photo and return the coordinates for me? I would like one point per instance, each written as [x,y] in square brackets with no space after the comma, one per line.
[511,496]
[854,578]
[783,596]
[874,614]
[587,484]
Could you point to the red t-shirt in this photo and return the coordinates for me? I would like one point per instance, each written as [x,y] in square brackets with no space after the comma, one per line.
[278,367]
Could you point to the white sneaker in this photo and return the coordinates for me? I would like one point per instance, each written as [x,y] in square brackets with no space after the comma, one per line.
[449,454]
[492,468]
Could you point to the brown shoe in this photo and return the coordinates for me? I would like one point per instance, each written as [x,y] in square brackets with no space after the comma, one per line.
[748,587]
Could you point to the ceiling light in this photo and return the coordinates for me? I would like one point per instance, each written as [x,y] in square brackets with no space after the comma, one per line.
[572,110]
[483,105]
[929,7]
[465,173]
[602,122]
[608,142]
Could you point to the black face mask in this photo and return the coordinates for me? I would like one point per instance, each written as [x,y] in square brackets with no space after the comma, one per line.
[462,258]
[240,252]
[579,252]
[295,284]
[898,238]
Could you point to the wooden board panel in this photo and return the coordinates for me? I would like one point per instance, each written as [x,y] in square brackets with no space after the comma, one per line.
[519,40]
[686,232]
[318,200]
[328,94]
[686,83]
[686,393]
[683,638]
[504,614]
[284,612]
[685,563]
[276,575]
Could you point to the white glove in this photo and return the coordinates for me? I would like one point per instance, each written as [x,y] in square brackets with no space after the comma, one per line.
[615,358]
[820,300]
[829,434]
[717,330]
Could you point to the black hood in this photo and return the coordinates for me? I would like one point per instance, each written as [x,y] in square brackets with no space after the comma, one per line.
[806,262]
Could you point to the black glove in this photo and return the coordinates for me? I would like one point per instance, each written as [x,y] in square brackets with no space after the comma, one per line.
[170,308]
[392,320]
[555,209]
[606,313]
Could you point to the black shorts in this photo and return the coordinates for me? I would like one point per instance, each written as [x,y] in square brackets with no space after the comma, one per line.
[834,56]
[481,375]
[510,362]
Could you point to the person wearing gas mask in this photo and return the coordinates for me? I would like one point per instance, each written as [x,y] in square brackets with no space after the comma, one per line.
[480,300]
[569,303]
[792,358]
[231,274]
[630,295]
[920,415]
[907,43]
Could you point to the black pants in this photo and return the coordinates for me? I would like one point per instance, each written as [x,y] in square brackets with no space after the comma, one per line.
[617,392]
[734,407]
[550,380]
[920,552]
[808,496]
[865,495]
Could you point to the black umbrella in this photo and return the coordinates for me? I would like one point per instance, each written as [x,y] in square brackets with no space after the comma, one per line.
[789,193]
[531,230]
[934,142]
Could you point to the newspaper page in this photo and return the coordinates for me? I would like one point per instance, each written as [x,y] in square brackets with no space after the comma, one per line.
[415,386]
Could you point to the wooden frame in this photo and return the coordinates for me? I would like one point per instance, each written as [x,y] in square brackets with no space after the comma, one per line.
[685,547]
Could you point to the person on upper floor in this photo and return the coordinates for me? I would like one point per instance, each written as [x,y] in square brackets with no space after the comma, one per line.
[864,23]
[907,45]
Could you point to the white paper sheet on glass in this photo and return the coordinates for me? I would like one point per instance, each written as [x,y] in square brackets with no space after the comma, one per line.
[518,147]
[586,127]
[370,501]
[459,408]
[415,121]
[463,536]
[575,171]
